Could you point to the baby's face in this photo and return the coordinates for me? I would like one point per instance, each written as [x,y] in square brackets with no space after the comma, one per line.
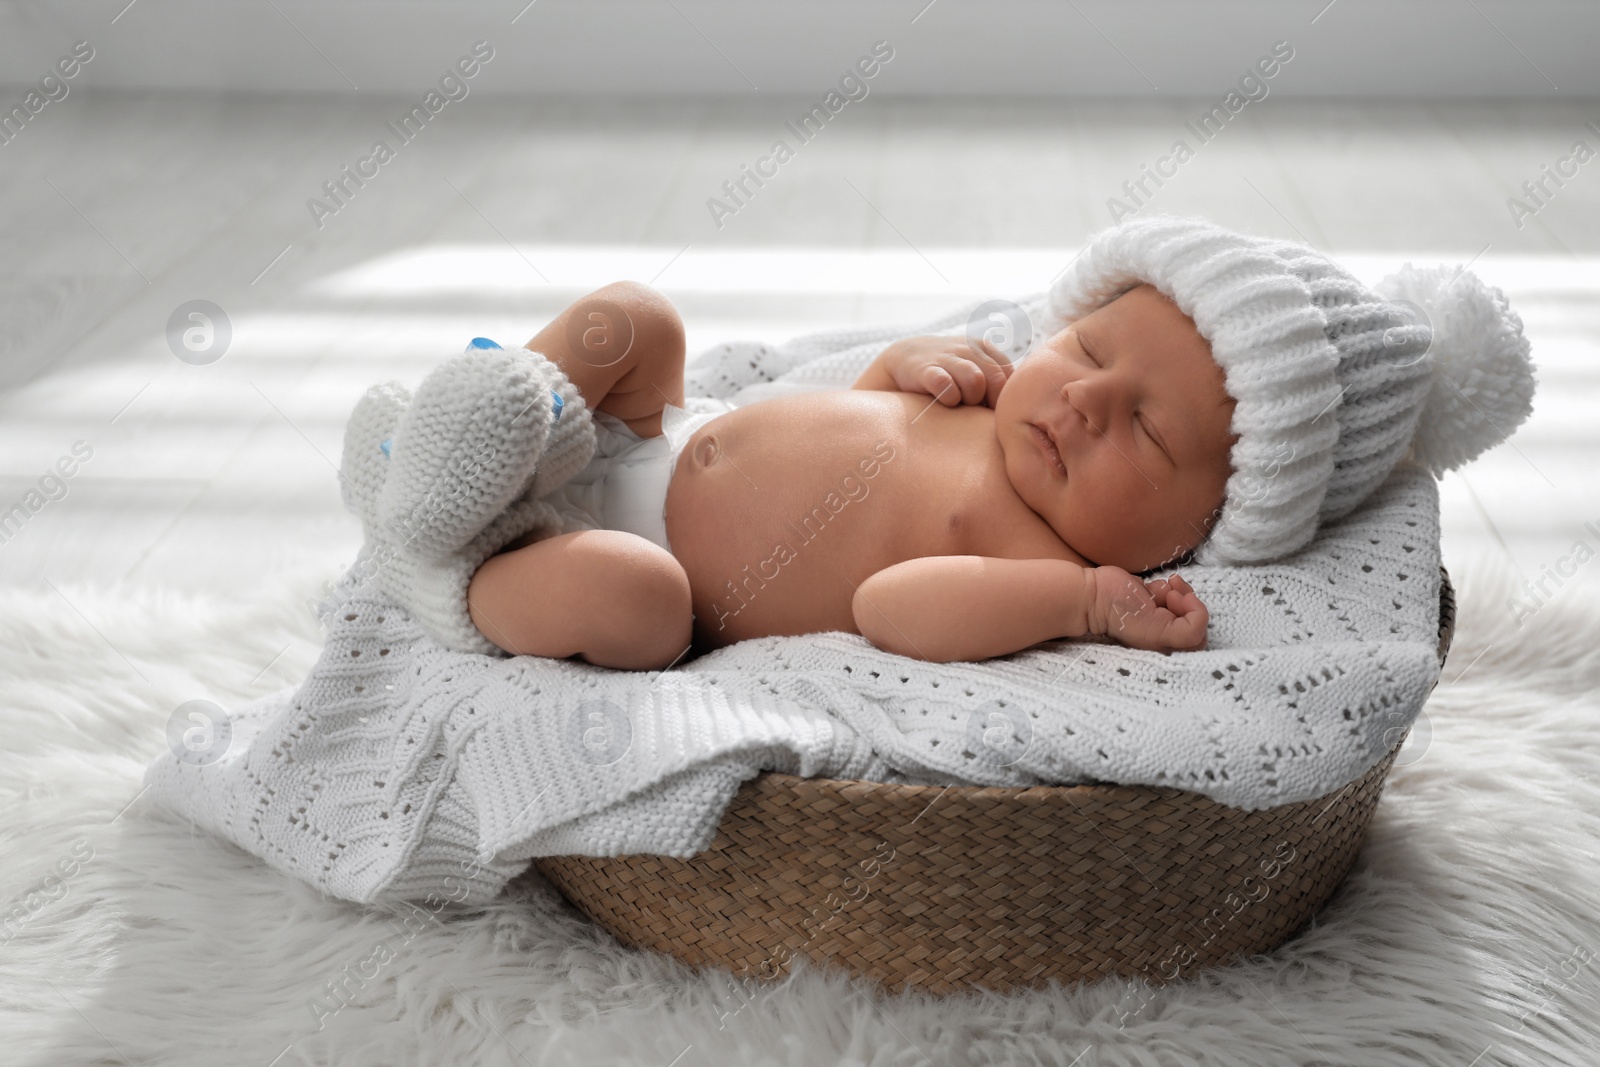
[1116,432]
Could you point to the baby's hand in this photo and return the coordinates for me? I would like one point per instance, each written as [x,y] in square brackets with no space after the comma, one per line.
[1163,616]
[955,370]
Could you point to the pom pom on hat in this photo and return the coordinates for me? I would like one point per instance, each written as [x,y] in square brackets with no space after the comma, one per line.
[1483,377]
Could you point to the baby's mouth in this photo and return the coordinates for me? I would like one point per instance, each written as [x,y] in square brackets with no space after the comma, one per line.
[1048,446]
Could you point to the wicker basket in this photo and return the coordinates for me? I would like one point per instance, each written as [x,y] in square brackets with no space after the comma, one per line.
[945,889]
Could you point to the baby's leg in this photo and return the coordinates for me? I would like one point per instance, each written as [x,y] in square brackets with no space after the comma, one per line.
[623,347]
[611,598]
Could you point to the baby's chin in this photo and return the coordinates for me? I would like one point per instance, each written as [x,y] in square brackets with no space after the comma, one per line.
[1102,547]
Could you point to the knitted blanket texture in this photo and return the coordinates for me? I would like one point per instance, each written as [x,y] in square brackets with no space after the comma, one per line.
[400,769]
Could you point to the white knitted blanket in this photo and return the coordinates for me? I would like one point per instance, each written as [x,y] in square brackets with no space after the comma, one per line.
[399,769]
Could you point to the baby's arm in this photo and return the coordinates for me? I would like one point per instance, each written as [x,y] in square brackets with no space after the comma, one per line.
[944,608]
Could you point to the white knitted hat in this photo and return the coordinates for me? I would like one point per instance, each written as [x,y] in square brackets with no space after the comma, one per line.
[1333,382]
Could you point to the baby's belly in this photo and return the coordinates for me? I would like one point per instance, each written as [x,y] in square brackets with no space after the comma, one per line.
[779,510]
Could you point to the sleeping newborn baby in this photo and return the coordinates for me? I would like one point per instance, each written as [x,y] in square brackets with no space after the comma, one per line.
[1196,394]
[948,507]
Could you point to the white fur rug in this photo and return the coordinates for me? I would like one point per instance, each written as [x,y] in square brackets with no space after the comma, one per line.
[1466,936]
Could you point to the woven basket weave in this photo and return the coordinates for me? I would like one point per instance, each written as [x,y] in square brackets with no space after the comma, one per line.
[948,888]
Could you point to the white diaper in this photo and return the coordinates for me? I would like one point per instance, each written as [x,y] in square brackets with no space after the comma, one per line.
[624,487]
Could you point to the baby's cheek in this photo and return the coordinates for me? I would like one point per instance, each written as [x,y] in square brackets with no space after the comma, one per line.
[1117,517]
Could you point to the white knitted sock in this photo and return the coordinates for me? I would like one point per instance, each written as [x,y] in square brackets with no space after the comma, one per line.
[470,442]
[444,479]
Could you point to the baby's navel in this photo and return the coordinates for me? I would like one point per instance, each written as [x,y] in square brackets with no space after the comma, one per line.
[706,450]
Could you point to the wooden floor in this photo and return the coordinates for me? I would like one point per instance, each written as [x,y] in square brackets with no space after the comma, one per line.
[220,476]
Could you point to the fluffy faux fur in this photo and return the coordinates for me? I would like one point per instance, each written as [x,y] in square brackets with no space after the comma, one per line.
[1465,936]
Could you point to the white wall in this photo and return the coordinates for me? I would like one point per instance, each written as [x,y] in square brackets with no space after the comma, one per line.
[1412,48]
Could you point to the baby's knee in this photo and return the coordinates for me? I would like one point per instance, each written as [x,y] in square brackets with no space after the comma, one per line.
[645,608]
[634,574]
[654,321]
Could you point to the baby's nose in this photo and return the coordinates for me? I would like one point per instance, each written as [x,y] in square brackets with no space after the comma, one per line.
[1089,403]
[1080,405]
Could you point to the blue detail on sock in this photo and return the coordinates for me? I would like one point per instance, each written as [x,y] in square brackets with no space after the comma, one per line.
[387,441]
[559,404]
[481,342]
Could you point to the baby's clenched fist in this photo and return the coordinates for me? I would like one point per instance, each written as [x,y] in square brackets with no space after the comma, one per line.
[1164,615]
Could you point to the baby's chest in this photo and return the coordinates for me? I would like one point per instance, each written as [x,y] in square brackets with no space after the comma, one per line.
[971,508]
[920,480]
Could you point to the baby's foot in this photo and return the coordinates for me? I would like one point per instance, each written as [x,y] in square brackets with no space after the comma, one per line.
[482,428]
[364,463]
[432,588]
[1164,615]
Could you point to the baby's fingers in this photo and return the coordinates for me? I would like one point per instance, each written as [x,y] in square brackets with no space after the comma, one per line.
[995,366]
[941,386]
[1181,596]
[1191,628]
[971,383]
[1188,629]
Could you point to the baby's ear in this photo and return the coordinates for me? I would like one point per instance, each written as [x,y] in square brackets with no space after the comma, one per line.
[368,436]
